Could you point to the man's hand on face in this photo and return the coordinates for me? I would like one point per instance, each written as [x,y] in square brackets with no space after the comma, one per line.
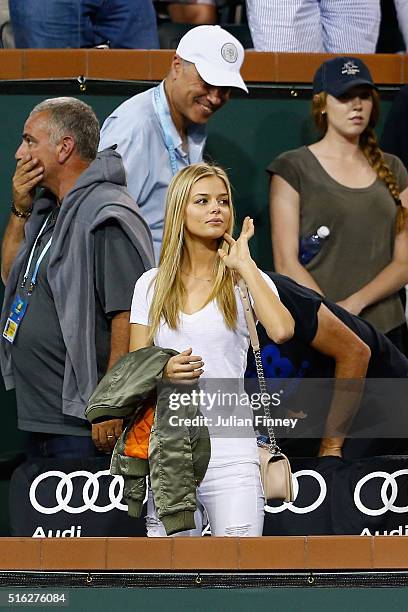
[29,173]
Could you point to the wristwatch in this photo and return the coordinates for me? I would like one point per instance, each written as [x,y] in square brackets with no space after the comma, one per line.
[20,214]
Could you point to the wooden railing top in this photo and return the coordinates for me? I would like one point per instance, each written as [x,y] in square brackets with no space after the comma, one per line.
[123,64]
[267,553]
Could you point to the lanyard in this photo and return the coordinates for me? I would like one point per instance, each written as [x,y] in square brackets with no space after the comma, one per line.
[37,266]
[41,257]
[161,113]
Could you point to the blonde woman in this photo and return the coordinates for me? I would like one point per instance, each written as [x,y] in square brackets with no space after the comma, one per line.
[191,303]
[346,183]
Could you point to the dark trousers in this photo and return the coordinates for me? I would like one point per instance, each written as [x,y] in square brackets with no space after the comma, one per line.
[127,24]
[59,446]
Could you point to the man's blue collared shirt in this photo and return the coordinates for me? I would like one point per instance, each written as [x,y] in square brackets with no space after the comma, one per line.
[136,129]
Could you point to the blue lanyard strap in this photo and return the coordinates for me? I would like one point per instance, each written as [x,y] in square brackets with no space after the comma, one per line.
[39,260]
[37,266]
[30,259]
[161,113]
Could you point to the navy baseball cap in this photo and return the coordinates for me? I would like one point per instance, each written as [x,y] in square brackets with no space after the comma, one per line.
[338,75]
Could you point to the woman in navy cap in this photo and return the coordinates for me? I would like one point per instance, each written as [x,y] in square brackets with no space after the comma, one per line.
[345,190]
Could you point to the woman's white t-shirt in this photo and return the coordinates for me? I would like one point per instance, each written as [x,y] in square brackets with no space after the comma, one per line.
[224,352]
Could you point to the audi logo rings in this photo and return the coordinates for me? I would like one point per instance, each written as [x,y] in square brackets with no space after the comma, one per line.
[291,505]
[90,492]
[390,480]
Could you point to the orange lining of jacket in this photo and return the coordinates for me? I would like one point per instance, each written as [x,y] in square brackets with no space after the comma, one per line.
[137,439]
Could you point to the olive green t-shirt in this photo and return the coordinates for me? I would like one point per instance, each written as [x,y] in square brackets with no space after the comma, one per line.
[362,229]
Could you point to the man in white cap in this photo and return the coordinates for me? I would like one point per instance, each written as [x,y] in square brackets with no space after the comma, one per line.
[163,129]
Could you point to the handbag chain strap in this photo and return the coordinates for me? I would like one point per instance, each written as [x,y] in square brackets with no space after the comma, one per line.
[253,334]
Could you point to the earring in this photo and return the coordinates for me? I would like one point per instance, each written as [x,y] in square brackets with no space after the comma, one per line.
[323,112]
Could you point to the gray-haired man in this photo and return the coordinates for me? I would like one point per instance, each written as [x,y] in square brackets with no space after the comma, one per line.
[70,259]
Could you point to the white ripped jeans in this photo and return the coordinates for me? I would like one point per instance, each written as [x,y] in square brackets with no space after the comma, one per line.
[232,498]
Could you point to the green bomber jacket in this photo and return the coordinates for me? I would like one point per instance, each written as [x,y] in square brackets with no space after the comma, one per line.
[178,455]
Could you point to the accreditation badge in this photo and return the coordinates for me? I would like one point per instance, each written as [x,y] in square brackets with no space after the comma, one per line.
[16,315]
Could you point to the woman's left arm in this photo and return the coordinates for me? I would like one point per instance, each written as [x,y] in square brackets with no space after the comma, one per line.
[389,280]
[270,311]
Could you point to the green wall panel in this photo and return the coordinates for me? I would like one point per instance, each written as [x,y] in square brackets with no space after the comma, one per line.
[244,137]
[221,600]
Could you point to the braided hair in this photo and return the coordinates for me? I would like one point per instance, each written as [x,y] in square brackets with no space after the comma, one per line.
[369,146]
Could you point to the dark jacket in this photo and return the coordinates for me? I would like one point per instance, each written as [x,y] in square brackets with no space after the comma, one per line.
[178,455]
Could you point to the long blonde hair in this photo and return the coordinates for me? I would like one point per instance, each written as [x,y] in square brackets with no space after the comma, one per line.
[369,146]
[169,292]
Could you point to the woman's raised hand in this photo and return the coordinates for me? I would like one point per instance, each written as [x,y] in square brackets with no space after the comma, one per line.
[239,254]
[184,366]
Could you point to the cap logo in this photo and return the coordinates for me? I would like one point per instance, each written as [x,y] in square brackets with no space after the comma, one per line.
[229,52]
[350,69]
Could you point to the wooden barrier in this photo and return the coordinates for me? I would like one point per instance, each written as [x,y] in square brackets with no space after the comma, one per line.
[233,554]
[123,64]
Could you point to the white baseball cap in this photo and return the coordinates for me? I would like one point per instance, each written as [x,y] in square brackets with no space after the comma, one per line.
[216,54]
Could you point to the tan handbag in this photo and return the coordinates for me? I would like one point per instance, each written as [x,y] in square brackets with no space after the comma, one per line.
[276,475]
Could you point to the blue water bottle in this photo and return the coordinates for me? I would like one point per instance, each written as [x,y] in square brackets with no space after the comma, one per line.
[311,245]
